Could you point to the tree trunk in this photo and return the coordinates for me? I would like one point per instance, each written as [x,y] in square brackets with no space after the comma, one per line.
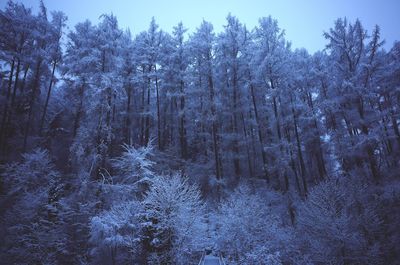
[10,112]
[24,79]
[147,124]
[182,129]
[16,82]
[160,146]
[6,105]
[247,147]
[128,116]
[47,98]
[395,127]
[320,154]
[277,123]
[260,136]
[299,152]
[214,126]
[35,87]
[236,161]
[293,164]
[78,112]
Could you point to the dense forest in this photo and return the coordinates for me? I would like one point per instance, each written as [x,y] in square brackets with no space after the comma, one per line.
[149,149]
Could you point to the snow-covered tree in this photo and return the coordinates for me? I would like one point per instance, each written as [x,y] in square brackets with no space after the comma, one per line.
[32,219]
[251,226]
[134,164]
[117,230]
[339,221]
[173,210]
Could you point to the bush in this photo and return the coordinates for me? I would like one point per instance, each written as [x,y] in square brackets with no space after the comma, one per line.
[32,219]
[173,209]
[340,223]
[251,227]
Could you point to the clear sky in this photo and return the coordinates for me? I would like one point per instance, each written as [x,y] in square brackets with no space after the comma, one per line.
[303,20]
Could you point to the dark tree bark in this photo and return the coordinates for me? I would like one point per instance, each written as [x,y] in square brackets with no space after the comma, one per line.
[159,139]
[79,111]
[182,122]
[47,98]
[35,88]
[214,125]
[299,152]
[6,105]
[260,135]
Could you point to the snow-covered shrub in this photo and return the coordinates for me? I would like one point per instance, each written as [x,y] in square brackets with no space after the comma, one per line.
[390,209]
[36,173]
[261,255]
[32,220]
[164,227]
[134,164]
[340,223]
[173,209]
[115,230]
[250,225]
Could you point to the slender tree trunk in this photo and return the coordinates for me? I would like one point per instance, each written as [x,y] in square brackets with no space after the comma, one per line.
[16,82]
[128,116]
[160,145]
[252,131]
[107,152]
[24,79]
[78,112]
[114,107]
[35,87]
[10,111]
[293,164]
[277,123]
[182,130]
[236,161]
[147,125]
[387,141]
[299,152]
[260,136]
[369,147]
[283,152]
[395,127]
[6,105]
[214,126]
[169,129]
[247,147]
[202,111]
[143,118]
[47,98]
[320,154]
[296,176]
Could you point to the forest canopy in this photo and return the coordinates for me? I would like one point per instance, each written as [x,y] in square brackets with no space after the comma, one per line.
[150,148]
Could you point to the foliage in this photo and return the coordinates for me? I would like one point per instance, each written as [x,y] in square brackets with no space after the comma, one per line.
[173,209]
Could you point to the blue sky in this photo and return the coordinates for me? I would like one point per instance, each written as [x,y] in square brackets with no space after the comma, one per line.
[303,20]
